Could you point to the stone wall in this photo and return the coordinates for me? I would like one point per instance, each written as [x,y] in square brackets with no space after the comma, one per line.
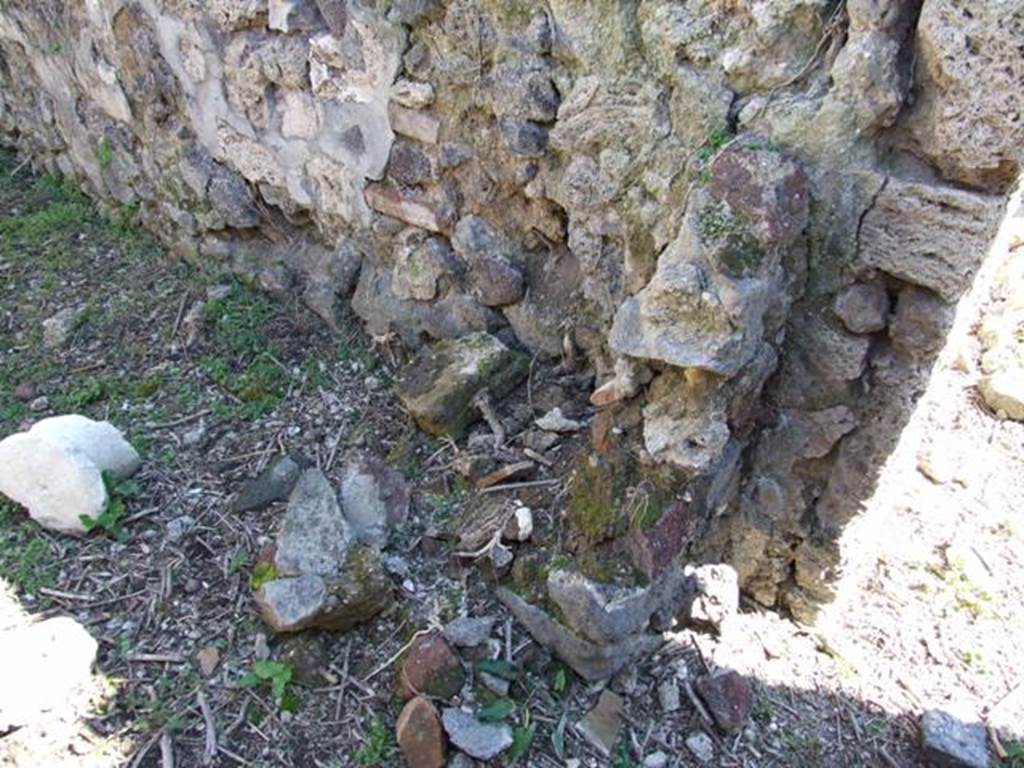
[751,217]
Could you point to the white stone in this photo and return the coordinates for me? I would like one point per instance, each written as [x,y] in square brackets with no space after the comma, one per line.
[555,421]
[55,469]
[58,328]
[412,94]
[701,746]
[668,695]
[47,670]
[281,14]
[298,116]
[1004,392]
[523,524]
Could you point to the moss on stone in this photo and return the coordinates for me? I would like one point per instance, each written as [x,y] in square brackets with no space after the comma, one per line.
[738,251]
[595,500]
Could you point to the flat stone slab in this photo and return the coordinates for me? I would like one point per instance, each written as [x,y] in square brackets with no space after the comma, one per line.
[315,535]
[483,741]
[603,723]
[929,235]
[948,742]
[437,387]
[375,499]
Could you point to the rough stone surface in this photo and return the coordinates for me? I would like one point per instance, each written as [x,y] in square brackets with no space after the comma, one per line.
[655,548]
[863,308]
[969,70]
[701,747]
[717,594]
[438,386]
[483,741]
[469,631]
[375,499]
[57,329]
[928,235]
[602,725]
[420,736]
[590,661]
[706,304]
[948,742]
[606,614]
[315,534]
[330,151]
[275,483]
[431,668]
[728,698]
[55,469]
[356,591]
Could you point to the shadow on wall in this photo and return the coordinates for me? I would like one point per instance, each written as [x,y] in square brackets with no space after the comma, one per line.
[850,381]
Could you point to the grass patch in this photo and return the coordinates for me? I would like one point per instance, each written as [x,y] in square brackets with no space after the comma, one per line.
[25,556]
[379,746]
[246,364]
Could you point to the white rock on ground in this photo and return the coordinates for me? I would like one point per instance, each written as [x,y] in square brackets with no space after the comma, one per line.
[55,469]
[45,667]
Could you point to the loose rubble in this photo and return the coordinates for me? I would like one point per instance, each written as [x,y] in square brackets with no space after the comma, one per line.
[430,668]
[323,578]
[439,384]
[420,736]
[951,743]
[602,725]
[483,741]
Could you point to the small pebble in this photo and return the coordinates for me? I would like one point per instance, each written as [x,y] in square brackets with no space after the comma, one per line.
[701,746]
[260,648]
[25,392]
[668,695]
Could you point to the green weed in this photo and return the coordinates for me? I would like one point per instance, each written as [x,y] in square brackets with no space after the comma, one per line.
[279,677]
[110,519]
[716,139]
[25,557]
[1014,754]
[379,744]
[522,739]
[261,574]
[247,368]
[621,757]
[104,153]
[803,749]
[967,596]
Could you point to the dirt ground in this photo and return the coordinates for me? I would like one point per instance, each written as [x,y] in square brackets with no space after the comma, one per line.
[931,606]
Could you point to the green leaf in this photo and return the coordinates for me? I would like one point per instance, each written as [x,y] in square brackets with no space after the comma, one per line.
[499,710]
[261,574]
[558,739]
[279,682]
[290,702]
[251,680]
[522,738]
[558,743]
[499,668]
[561,680]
